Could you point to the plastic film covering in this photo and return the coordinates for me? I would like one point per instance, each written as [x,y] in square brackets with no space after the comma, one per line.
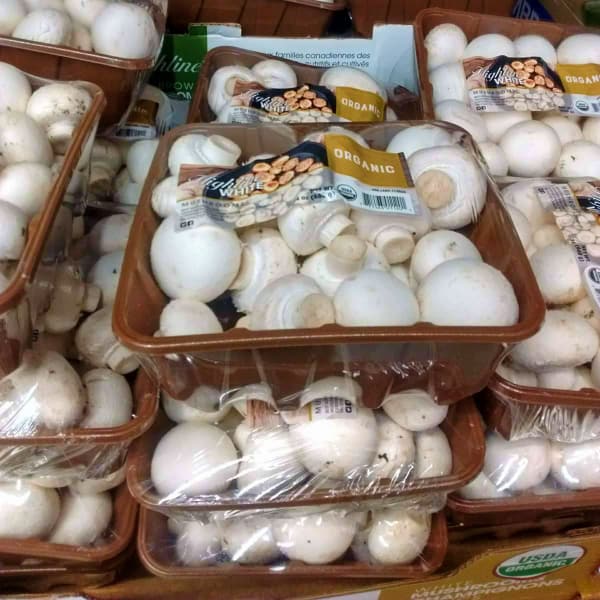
[248,451]
[395,540]
[448,361]
[62,524]
[299,92]
[88,452]
[72,55]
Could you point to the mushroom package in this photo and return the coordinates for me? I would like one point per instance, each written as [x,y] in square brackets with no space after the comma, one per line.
[381,533]
[292,252]
[528,119]
[239,446]
[270,91]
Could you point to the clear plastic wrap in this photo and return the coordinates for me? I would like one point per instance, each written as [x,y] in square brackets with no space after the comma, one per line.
[89,453]
[450,361]
[396,540]
[267,89]
[64,525]
[242,449]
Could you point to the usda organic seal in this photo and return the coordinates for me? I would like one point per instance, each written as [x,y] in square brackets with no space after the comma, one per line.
[540,561]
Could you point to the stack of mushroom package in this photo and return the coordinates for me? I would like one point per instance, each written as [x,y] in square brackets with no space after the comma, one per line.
[542,406]
[68,406]
[300,293]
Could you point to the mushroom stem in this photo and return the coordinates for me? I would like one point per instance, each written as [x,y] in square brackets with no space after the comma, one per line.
[244,276]
[435,188]
[345,255]
[396,244]
[337,224]
[314,310]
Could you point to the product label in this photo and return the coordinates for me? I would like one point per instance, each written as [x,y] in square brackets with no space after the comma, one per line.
[540,561]
[508,83]
[339,169]
[328,407]
[141,122]
[253,103]
[576,210]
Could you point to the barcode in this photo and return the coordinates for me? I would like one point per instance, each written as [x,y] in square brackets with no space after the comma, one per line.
[147,133]
[385,202]
[595,106]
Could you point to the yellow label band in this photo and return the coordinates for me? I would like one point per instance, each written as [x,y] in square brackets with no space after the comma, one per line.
[580,79]
[372,167]
[358,105]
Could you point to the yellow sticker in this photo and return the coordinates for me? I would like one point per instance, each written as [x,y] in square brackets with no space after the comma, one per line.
[358,105]
[371,167]
[580,79]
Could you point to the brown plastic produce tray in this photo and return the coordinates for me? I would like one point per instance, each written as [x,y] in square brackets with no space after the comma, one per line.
[405,104]
[41,225]
[120,79]
[122,530]
[474,25]
[291,18]
[366,13]
[462,427]
[455,362]
[500,393]
[155,548]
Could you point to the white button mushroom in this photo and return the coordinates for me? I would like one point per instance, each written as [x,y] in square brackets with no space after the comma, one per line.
[481,488]
[109,399]
[455,284]
[564,340]
[518,465]
[438,247]
[26,186]
[586,308]
[395,454]
[315,539]
[414,410]
[591,130]
[109,234]
[81,38]
[497,123]
[517,376]
[15,89]
[187,316]
[125,30]
[522,195]
[567,130]
[291,302]
[198,543]
[350,77]
[536,45]
[222,85]
[557,274]
[84,11]
[375,299]
[489,45]
[139,159]
[494,158]
[532,149]
[105,275]
[460,114]
[579,49]
[576,466]
[444,43]
[397,536]
[546,235]
[97,485]
[448,83]
[193,458]
[450,183]
[199,263]
[13,231]
[47,26]
[275,74]
[411,139]
[433,454]
[83,519]
[97,344]
[27,511]
[126,191]
[249,541]
[203,405]
[561,378]
[265,258]
[579,159]
[23,140]
[165,196]
[12,13]
[522,226]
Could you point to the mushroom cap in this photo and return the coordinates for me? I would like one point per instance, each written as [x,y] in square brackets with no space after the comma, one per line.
[13,231]
[557,274]
[84,11]
[494,158]
[275,73]
[497,123]
[23,140]
[397,536]
[516,466]
[579,159]
[433,454]
[27,511]
[576,466]
[448,82]
[536,45]
[110,234]
[125,30]
[567,130]
[187,316]
[139,159]
[203,405]
[444,43]
[338,447]
[522,195]
[351,77]
[199,263]
[414,410]
[481,488]
[395,454]
[249,541]
[26,185]
[564,340]
[106,273]
[417,137]
[315,539]
[591,130]
[97,485]
[522,225]
[466,282]
[15,89]
[460,114]
[579,49]
[47,26]
[11,13]
[489,45]
[375,298]
[109,399]
[222,85]
[198,543]
[193,459]
[83,519]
